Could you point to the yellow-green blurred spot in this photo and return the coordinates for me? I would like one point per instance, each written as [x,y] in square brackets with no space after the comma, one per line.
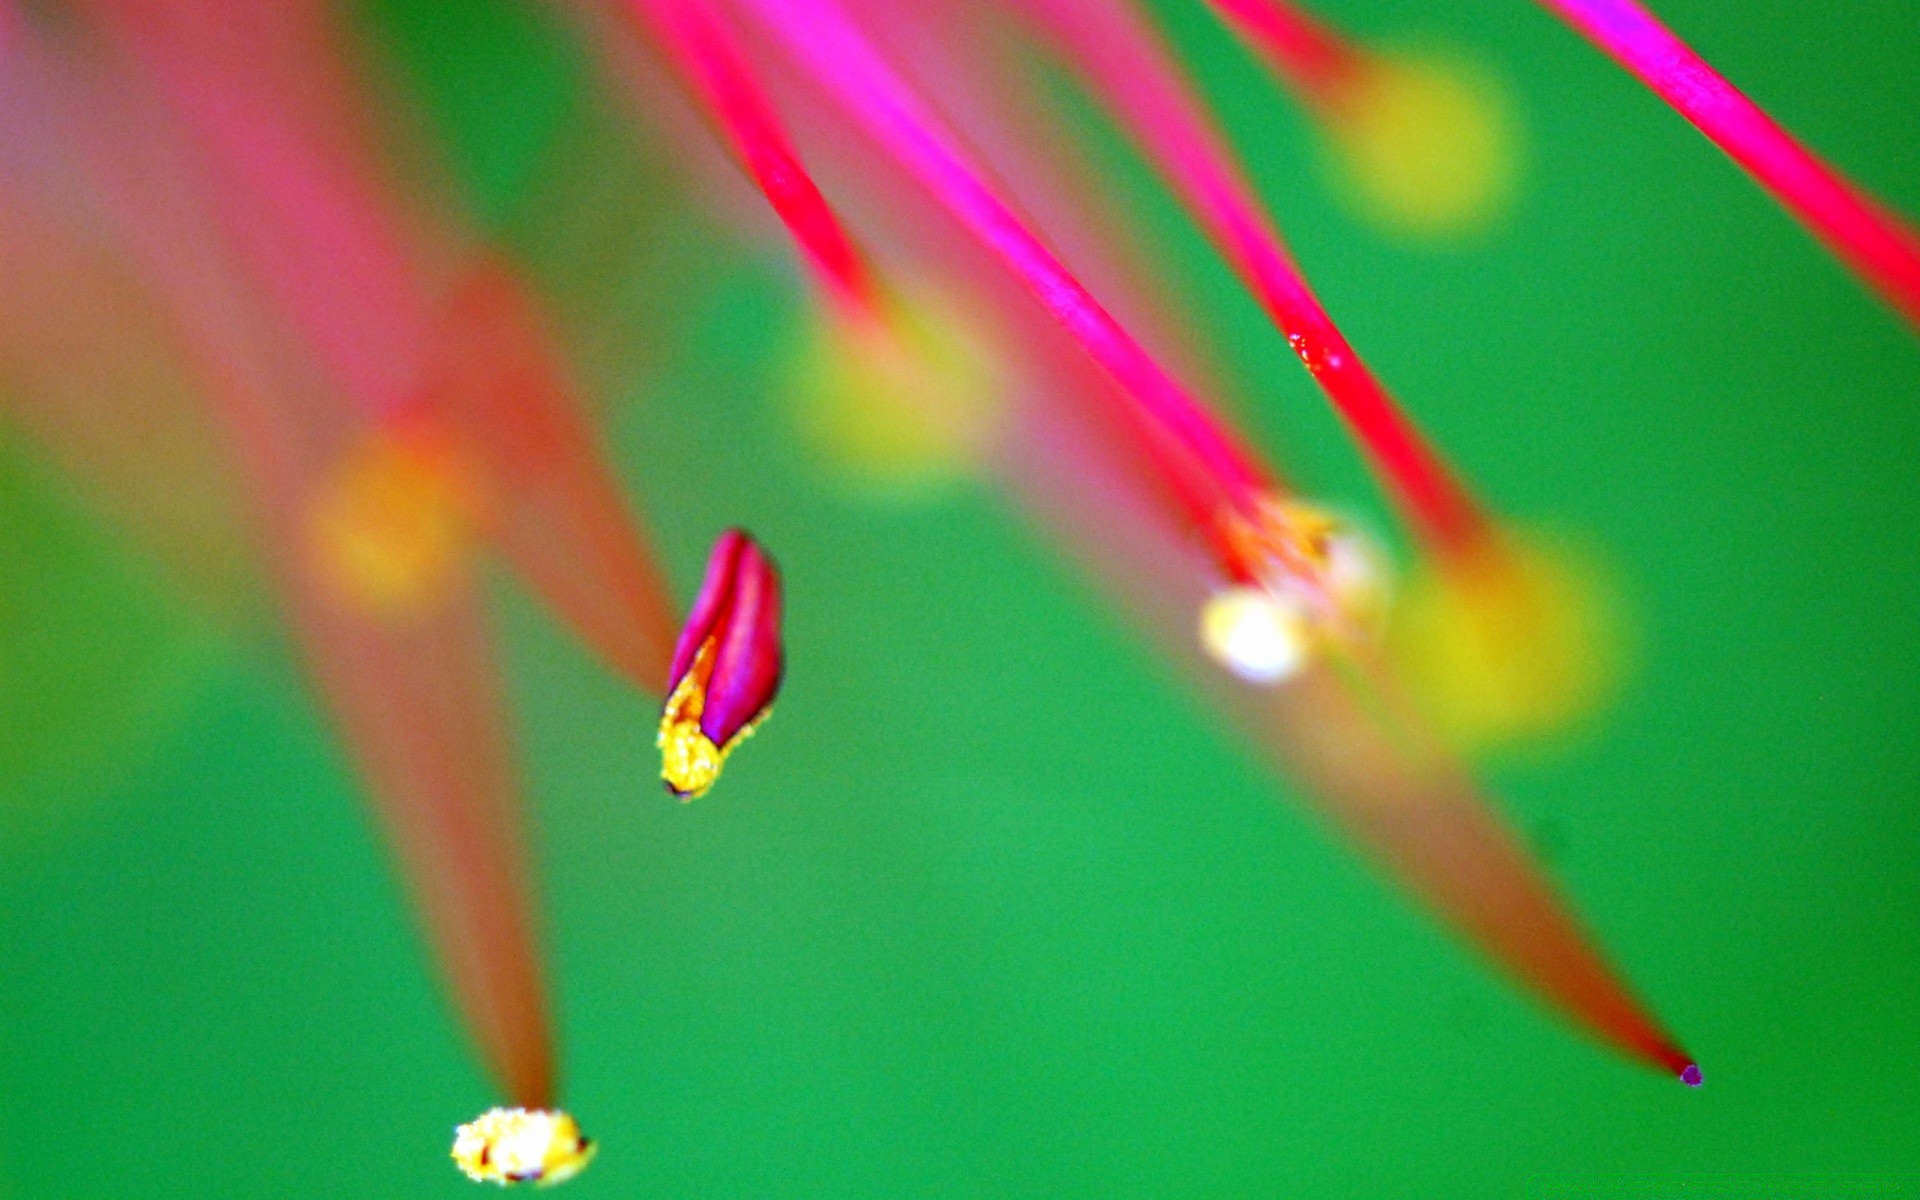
[1516,644]
[394,525]
[1426,143]
[97,653]
[902,401]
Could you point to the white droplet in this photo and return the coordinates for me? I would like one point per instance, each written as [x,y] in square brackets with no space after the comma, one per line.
[1257,635]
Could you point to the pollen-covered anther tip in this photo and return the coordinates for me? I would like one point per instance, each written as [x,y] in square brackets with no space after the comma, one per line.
[1691,1076]
[689,760]
[1308,583]
[519,1145]
[726,668]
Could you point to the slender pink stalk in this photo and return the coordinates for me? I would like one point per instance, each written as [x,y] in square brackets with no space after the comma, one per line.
[820,36]
[554,508]
[332,259]
[696,38]
[1379,781]
[1036,159]
[322,237]
[417,704]
[1301,49]
[1879,245]
[419,709]
[1428,826]
[1109,43]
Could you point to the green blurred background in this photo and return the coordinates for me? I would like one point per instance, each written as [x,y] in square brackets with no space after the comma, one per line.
[993,907]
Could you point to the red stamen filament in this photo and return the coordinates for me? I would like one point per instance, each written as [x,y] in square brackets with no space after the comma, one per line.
[306,226]
[1123,61]
[1300,49]
[826,43]
[704,50]
[1878,245]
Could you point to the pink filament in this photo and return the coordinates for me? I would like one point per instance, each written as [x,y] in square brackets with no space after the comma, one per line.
[822,38]
[554,508]
[1299,48]
[695,37]
[417,705]
[1105,40]
[324,247]
[322,237]
[1412,813]
[1444,843]
[1876,243]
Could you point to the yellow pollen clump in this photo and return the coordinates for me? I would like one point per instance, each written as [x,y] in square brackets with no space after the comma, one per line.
[1515,644]
[518,1145]
[1426,143]
[1311,583]
[901,400]
[394,524]
[689,761]
[1287,534]
[1335,570]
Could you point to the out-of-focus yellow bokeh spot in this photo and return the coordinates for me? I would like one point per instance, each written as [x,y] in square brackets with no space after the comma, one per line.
[1518,643]
[1426,143]
[902,401]
[395,525]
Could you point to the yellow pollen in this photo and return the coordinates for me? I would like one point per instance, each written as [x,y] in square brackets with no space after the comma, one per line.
[690,763]
[518,1145]
[1293,535]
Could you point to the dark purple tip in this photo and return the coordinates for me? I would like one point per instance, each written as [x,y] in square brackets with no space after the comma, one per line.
[747,659]
[1691,1076]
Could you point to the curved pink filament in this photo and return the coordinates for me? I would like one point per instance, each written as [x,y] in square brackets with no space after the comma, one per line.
[1127,66]
[823,40]
[1877,244]
[1298,46]
[701,46]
